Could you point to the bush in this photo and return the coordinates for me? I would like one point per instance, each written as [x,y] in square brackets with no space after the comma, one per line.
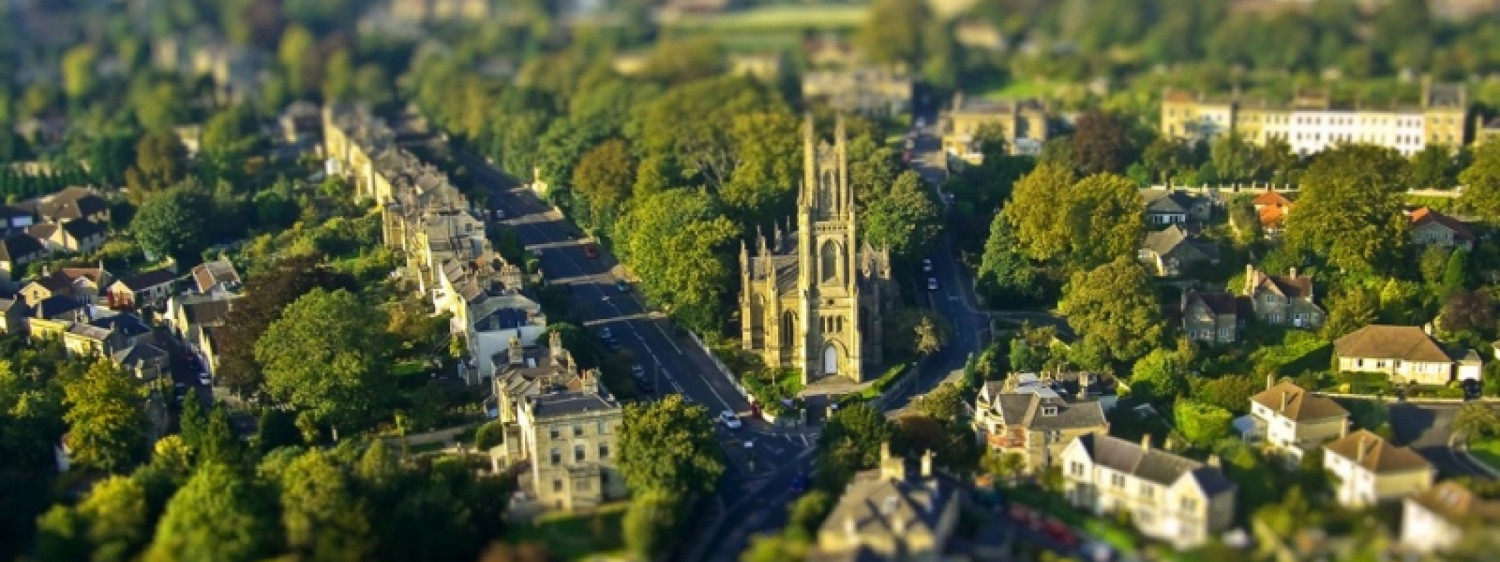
[489,435]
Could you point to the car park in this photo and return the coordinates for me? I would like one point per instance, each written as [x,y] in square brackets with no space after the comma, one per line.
[730,420]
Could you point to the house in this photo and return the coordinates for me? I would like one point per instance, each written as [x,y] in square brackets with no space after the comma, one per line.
[1273,207]
[1025,416]
[14,219]
[143,289]
[300,122]
[128,328]
[871,91]
[1283,300]
[1368,469]
[46,286]
[1288,420]
[1170,252]
[74,203]
[145,361]
[1022,124]
[1405,353]
[1169,497]
[78,236]
[561,426]
[895,512]
[218,275]
[88,282]
[193,317]
[1212,317]
[12,315]
[60,308]
[18,250]
[1167,207]
[1438,518]
[1431,228]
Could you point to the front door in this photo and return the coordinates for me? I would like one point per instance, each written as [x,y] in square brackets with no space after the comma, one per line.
[830,361]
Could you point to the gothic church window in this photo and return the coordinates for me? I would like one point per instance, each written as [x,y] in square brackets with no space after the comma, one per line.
[830,262]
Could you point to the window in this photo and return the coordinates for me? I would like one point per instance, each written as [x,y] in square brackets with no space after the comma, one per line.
[578,453]
[1117,480]
[1189,504]
[556,456]
[1076,469]
[555,433]
[601,428]
[578,430]
[556,485]
[1147,490]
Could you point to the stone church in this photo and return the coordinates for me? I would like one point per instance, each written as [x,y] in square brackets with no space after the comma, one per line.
[812,298]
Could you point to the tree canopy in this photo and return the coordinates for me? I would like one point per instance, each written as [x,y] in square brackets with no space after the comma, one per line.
[1349,208]
[106,426]
[674,240]
[323,355]
[217,515]
[1114,305]
[668,446]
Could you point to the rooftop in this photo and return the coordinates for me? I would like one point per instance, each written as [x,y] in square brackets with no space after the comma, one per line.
[1376,454]
[1380,341]
[1295,403]
[1154,465]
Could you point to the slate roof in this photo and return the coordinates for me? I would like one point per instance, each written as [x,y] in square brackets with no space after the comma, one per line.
[1299,287]
[1154,465]
[1407,343]
[138,355]
[56,282]
[55,306]
[17,246]
[568,403]
[8,303]
[148,279]
[1218,303]
[208,274]
[1167,202]
[82,228]
[1026,409]
[73,203]
[88,331]
[1300,405]
[1174,239]
[202,310]
[1425,216]
[43,231]
[124,323]
[1380,456]
[874,501]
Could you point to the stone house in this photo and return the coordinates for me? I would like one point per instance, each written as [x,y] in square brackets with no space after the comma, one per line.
[75,236]
[1171,252]
[1214,318]
[1289,420]
[150,288]
[1431,228]
[74,203]
[193,317]
[17,251]
[1273,207]
[1437,519]
[81,283]
[144,361]
[1405,353]
[1023,124]
[869,90]
[1026,417]
[1168,207]
[895,512]
[1283,300]
[216,276]
[1169,497]
[571,439]
[12,315]
[1370,470]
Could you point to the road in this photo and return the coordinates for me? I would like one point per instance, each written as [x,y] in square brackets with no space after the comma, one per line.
[954,299]
[757,485]
[1428,429]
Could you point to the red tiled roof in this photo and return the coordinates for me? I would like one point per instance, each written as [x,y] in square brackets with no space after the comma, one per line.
[1426,215]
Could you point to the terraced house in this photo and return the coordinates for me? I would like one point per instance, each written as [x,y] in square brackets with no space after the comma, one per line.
[1169,497]
[1024,416]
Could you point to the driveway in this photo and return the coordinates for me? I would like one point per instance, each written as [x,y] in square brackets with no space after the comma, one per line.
[1428,429]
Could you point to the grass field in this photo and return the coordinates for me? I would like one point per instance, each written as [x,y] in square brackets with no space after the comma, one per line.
[1021,89]
[1487,452]
[575,536]
[772,18]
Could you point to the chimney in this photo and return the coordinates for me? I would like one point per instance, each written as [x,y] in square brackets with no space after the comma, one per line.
[517,355]
[927,464]
[898,524]
[851,528]
[885,451]
[590,381]
[1285,397]
[1292,272]
[1359,454]
[1146,442]
[554,341]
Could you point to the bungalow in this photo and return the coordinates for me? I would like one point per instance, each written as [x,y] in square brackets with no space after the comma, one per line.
[216,276]
[1431,228]
[74,203]
[1283,300]
[1170,252]
[1212,317]
[1165,207]
[143,289]
[1405,353]
[1369,469]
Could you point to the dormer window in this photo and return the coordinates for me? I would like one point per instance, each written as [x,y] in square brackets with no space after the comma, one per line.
[1049,410]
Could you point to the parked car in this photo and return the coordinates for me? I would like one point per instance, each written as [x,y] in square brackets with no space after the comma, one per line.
[637,371]
[591,251]
[205,380]
[730,419]
[799,483]
[622,286]
[499,214]
[1058,531]
[932,284]
[926,265]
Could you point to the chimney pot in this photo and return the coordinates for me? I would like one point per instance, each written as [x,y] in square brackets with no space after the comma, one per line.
[1146,442]
[927,464]
[1270,380]
[1359,454]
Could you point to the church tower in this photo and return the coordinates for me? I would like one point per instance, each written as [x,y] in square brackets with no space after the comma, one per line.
[826,254]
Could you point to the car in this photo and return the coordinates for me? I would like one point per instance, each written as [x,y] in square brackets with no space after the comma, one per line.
[926,265]
[205,380]
[799,483]
[622,286]
[1472,389]
[499,214]
[932,284]
[591,251]
[1058,531]
[606,333]
[730,419]
[921,122]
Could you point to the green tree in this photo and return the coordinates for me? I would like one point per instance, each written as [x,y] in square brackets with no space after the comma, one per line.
[1456,272]
[79,72]
[1349,208]
[1350,309]
[667,446]
[1024,358]
[1481,181]
[768,145]
[217,515]
[1434,168]
[1477,421]
[1467,311]
[1230,392]
[193,424]
[1005,275]
[1159,376]
[651,523]
[1233,158]
[806,514]
[106,426]
[893,31]
[1104,220]
[944,404]
[1035,214]
[116,519]
[914,332]
[322,515]
[293,53]
[1103,142]
[604,176]
[267,293]
[174,224]
[905,219]
[851,441]
[323,356]
[672,239]
[1114,304]
[1201,424]
[160,162]
[276,429]
[219,444]
[60,535]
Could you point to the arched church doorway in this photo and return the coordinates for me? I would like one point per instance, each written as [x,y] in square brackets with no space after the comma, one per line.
[830,360]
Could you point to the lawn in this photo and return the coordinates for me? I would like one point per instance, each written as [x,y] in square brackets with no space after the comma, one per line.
[1019,89]
[773,18]
[1487,452]
[575,536]
[409,368]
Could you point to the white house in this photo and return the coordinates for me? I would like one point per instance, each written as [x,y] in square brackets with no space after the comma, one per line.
[1405,353]
[1437,519]
[1371,470]
[1289,420]
[1169,498]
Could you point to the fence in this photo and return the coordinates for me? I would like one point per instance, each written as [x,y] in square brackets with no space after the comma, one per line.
[1255,187]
